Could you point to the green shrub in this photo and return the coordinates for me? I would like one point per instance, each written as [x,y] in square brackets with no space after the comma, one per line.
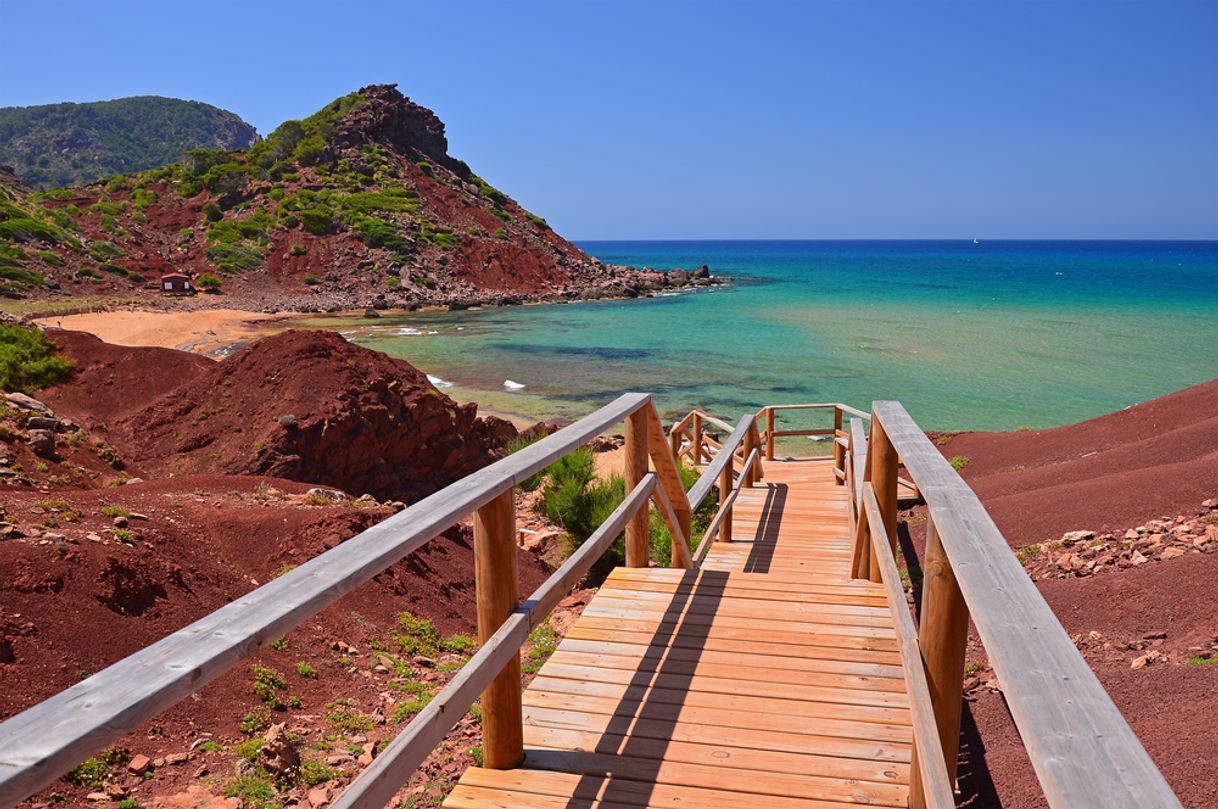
[500,233]
[305,670]
[255,792]
[393,199]
[298,250]
[417,636]
[212,212]
[958,462]
[232,258]
[319,220]
[537,220]
[313,280]
[207,281]
[91,773]
[346,721]
[27,360]
[315,772]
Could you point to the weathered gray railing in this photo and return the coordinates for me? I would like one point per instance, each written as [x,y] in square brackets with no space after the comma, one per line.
[1083,752]
[49,739]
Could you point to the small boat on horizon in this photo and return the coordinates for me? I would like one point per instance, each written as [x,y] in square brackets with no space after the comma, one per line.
[976,241]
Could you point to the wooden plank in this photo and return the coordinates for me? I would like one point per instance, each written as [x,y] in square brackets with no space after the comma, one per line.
[686,618]
[696,631]
[803,665]
[680,554]
[716,750]
[693,698]
[934,788]
[670,478]
[720,643]
[832,613]
[623,791]
[42,743]
[724,717]
[677,773]
[741,668]
[746,681]
[753,738]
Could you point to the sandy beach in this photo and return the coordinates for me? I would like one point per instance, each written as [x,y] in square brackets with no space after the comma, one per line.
[210,332]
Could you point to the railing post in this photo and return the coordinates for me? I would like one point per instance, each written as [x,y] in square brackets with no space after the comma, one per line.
[750,444]
[637,539]
[883,469]
[943,638]
[674,442]
[697,439]
[725,488]
[769,433]
[495,580]
[839,452]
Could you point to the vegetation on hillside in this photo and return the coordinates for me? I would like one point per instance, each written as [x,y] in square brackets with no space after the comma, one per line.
[70,144]
[302,183]
[28,361]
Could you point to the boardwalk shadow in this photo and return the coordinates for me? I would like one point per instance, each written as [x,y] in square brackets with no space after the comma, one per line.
[627,761]
[765,539]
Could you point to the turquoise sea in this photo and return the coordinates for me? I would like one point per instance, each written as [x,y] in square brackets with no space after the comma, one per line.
[992,335]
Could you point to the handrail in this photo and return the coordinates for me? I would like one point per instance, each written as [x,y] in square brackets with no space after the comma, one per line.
[929,761]
[42,743]
[725,509]
[697,492]
[376,785]
[1083,751]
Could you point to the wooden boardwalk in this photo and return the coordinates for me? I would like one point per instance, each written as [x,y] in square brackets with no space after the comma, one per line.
[768,677]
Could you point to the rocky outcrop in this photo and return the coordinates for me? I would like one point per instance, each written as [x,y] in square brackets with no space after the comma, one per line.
[391,119]
[310,406]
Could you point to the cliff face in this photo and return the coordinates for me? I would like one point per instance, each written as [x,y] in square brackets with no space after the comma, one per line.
[359,204]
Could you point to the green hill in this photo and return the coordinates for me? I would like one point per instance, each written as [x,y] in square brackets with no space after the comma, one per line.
[57,145]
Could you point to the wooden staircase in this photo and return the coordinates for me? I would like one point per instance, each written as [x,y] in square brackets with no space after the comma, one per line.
[767,677]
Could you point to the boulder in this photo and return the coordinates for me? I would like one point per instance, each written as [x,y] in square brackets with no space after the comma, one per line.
[279,754]
[42,442]
[28,403]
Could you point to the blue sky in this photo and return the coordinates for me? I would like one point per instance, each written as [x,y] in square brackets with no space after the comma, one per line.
[862,119]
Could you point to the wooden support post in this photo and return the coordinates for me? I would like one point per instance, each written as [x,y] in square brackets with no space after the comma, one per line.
[725,487]
[697,457]
[769,434]
[637,539]
[495,580]
[943,638]
[674,442]
[750,444]
[883,470]
[839,452]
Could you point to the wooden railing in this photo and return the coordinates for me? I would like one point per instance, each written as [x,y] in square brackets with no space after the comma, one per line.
[769,413]
[46,741]
[1082,750]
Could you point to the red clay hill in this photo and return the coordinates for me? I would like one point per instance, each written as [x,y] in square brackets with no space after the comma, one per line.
[1155,458]
[301,405]
[357,205]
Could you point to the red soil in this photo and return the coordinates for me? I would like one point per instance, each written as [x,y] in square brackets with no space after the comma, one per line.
[1153,459]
